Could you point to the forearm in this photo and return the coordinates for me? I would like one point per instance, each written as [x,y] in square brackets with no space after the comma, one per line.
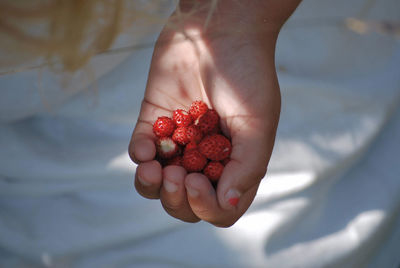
[257,17]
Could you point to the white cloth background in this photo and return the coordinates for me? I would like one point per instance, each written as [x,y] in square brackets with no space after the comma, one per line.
[331,197]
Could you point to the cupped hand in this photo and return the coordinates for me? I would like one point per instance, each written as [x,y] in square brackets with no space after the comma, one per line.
[234,73]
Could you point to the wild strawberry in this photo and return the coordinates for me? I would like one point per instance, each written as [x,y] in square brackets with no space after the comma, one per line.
[166,147]
[180,135]
[184,135]
[193,161]
[215,147]
[182,118]
[213,170]
[216,130]
[197,109]
[208,121]
[191,145]
[163,127]
[194,133]
[176,161]
[181,142]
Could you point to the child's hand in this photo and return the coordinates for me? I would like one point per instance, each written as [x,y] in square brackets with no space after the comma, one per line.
[234,73]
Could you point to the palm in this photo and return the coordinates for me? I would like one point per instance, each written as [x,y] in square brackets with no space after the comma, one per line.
[236,78]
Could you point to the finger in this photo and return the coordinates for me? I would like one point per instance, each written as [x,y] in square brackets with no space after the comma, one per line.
[173,194]
[201,196]
[142,147]
[249,160]
[204,203]
[148,179]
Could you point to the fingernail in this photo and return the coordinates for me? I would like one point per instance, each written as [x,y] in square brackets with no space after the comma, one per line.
[232,196]
[192,192]
[143,182]
[170,187]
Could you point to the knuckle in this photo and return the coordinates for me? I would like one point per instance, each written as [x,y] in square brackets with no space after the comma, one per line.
[203,213]
[171,208]
[180,212]
[192,219]
[259,172]
[145,192]
[225,224]
[131,153]
[149,195]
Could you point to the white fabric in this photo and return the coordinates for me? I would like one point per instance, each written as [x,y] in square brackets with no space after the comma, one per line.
[331,197]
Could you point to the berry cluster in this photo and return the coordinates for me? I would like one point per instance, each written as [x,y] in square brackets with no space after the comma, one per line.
[193,140]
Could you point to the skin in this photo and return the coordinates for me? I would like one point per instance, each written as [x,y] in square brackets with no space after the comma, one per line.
[228,62]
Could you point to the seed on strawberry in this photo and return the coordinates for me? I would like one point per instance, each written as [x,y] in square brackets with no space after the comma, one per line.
[193,161]
[213,170]
[197,108]
[166,147]
[181,118]
[215,147]
[208,121]
[163,127]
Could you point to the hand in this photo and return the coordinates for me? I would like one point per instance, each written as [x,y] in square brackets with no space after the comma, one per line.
[233,73]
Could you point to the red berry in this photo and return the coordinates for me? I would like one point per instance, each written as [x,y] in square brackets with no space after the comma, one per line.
[193,161]
[184,135]
[181,142]
[191,145]
[208,121]
[216,130]
[180,136]
[213,170]
[166,147]
[182,118]
[163,127]
[197,109]
[175,161]
[194,133]
[215,147]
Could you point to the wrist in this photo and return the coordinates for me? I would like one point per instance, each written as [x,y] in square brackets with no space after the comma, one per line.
[256,17]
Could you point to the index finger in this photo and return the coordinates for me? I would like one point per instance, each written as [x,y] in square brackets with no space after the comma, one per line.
[142,147]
